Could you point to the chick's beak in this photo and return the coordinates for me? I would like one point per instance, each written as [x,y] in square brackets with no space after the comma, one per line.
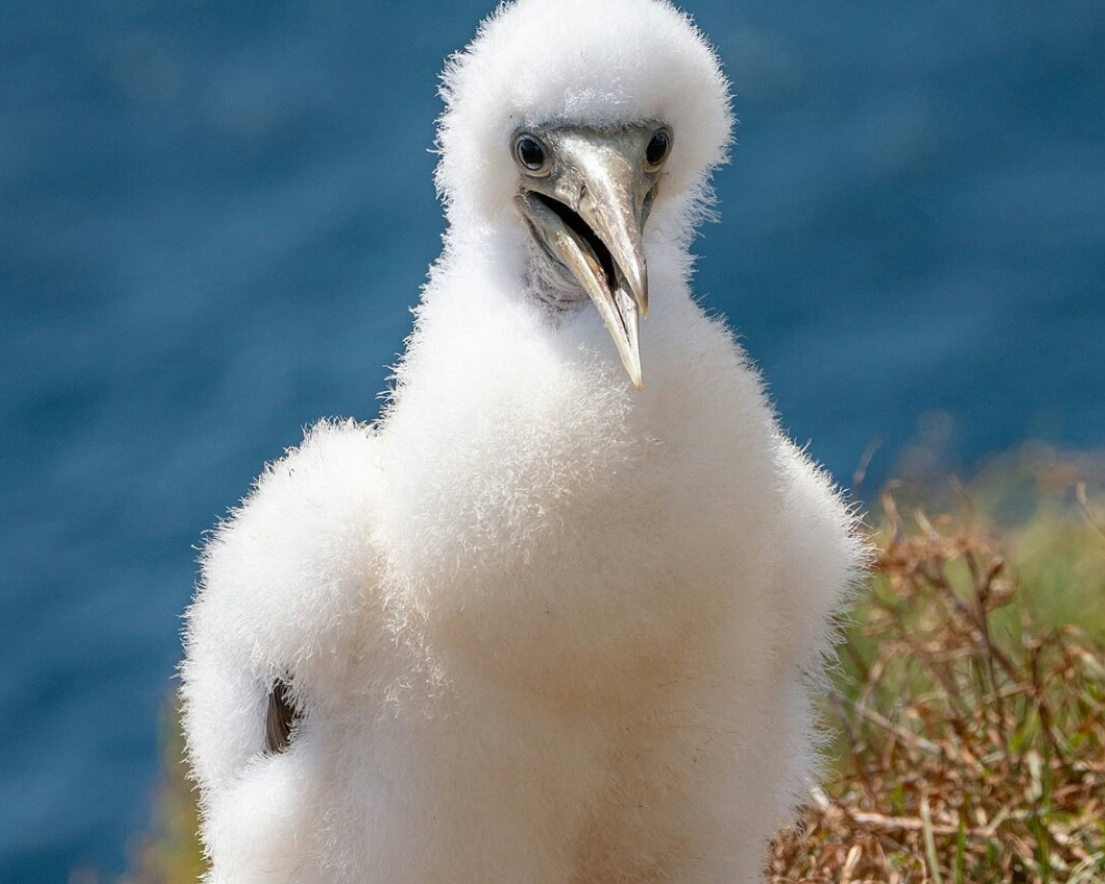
[587,213]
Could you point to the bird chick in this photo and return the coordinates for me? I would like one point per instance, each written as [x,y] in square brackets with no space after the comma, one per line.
[557,617]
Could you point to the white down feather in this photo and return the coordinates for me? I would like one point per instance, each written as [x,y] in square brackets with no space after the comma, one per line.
[541,627]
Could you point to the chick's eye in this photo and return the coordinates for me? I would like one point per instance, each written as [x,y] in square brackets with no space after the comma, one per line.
[658,149]
[530,153]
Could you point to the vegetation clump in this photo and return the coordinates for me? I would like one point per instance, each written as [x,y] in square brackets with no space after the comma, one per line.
[971,744]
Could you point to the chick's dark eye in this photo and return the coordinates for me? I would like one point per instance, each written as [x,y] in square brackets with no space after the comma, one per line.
[658,147]
[531,153]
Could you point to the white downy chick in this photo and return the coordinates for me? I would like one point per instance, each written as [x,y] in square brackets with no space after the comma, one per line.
[557,617]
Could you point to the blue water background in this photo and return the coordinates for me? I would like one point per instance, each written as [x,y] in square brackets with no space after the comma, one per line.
[214,217]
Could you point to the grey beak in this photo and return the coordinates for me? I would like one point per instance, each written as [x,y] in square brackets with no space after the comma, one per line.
[590,213]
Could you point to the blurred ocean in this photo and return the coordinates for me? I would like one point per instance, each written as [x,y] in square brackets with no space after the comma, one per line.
[215,216]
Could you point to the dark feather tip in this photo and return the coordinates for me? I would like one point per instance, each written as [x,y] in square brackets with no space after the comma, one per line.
[281,718]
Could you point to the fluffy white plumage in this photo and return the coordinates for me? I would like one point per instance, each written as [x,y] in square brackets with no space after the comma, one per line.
[538,626]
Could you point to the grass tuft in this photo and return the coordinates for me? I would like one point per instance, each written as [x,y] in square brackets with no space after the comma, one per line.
[971,730]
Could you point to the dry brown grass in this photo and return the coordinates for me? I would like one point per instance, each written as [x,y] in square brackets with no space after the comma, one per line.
[972,737]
